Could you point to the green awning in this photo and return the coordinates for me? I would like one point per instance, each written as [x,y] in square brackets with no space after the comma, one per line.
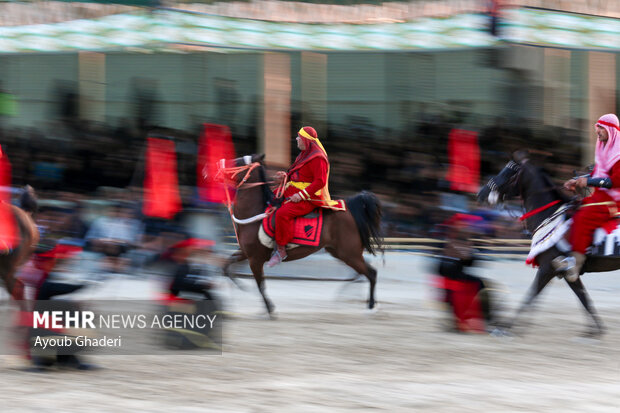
[568,30]
[168,30]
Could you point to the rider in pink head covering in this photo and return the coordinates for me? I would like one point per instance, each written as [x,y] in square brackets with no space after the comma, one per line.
[603,205]
[607,152]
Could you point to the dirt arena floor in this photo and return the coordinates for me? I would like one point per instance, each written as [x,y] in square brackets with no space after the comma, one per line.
[324,353]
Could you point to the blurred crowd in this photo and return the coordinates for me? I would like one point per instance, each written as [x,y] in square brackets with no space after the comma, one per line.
[408,169]
[73,160]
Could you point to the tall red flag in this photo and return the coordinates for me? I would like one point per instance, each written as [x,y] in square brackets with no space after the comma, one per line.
[9,237]
[161,189]
[464,154]
[215,144]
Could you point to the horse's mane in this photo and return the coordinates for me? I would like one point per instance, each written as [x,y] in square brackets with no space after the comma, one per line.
[28,200]
[268,196]
[555,189]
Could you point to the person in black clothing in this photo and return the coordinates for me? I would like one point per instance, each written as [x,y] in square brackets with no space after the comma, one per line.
[190,283]
[45,260]
[456,260]
[183,278]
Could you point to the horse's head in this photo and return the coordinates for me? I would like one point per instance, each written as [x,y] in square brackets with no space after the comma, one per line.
[245,172]
[238,171]
[241,161]
[505,184]
[521,178]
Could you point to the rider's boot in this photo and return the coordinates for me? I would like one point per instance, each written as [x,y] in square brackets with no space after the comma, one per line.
[279,254]
[570,266]
[573,273]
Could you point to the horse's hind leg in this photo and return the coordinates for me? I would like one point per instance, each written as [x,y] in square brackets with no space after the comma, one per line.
[580,290]
[361,266]
[257,269]
[371,273]
[14,286]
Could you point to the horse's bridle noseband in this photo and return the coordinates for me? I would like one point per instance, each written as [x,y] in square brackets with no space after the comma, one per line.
[229,175]
[511,175]
[498,182]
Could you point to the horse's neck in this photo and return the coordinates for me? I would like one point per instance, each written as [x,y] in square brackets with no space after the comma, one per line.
[539,200]
[249,203]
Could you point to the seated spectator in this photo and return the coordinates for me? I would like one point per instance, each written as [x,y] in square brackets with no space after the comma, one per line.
[115,234]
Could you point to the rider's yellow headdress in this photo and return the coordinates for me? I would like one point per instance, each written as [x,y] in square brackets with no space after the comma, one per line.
[308,132]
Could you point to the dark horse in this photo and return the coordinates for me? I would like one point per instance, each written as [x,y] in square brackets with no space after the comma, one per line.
[542,198]
[28,233]
[345,233]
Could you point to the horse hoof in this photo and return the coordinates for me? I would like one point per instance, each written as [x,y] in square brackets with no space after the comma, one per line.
[501,332]
[373,310]
[587,339]
[35,369]
[593,334]
[272,314]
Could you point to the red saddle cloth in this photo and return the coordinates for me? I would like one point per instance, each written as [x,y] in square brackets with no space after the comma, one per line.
[306,229]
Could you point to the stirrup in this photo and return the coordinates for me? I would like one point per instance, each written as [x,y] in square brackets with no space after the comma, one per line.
[563,263]
[566,267]
[275,259]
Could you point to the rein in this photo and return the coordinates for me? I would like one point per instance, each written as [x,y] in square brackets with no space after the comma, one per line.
[234,171]
[543,190]
[537,210]
[228,175]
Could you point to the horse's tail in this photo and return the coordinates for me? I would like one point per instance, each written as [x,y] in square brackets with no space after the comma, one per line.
[366,210]
[28,201]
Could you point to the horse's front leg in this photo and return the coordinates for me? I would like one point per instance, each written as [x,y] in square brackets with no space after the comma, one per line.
[235,257]
[580,290]
[544,274]
[256,265]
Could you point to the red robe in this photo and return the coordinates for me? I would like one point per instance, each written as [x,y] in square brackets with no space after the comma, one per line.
[589,217]
[312,176]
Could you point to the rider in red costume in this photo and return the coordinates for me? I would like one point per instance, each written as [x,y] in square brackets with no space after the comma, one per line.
[602,205]
[306,189]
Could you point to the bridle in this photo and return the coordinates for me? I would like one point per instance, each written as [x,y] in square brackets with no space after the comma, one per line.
[515,172]
[229,175]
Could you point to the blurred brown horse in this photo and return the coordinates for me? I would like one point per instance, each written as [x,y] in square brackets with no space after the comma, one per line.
[11,260]
[345,234]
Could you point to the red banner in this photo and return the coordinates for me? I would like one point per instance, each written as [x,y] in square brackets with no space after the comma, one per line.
[215,144]
[464,155]
[9,238]
[161,188]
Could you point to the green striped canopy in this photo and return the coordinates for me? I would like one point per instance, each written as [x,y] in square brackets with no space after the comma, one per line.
[168,30]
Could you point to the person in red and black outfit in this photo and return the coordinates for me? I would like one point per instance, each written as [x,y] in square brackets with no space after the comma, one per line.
[306,189]
[467,295]
[602,205]
[183,280]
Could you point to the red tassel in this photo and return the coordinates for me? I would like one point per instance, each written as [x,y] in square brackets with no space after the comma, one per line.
[464,154]
[215,144]
[161,189]
[9,237]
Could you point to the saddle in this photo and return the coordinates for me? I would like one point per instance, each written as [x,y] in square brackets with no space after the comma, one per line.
[307,230]
[606,243]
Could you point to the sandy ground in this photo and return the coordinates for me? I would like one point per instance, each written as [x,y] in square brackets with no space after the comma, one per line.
[326,354]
